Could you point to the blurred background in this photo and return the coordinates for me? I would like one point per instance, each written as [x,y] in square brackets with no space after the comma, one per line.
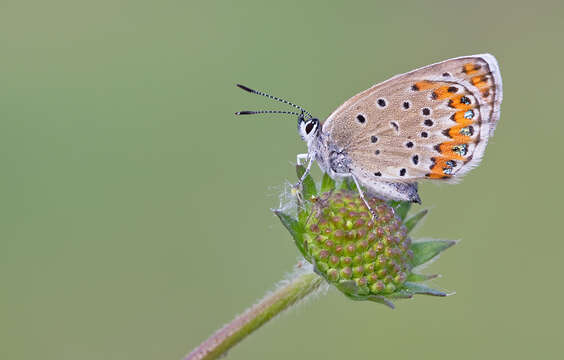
[135,208]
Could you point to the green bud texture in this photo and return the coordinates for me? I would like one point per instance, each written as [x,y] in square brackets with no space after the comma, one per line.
[345,244]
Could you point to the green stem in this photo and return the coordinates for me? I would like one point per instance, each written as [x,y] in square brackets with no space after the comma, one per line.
[243,325]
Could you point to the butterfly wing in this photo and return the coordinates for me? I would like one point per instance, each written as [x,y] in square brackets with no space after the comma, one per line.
[433,122]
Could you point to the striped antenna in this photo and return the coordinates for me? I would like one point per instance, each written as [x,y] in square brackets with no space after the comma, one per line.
[266,112]
[273,98]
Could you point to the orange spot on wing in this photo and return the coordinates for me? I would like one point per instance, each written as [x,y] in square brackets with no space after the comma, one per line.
[471,68]
[438,168]
[424,85]
[443,93]
[457,103]
[461,120]
[480,81]
[457,137]
[446,150]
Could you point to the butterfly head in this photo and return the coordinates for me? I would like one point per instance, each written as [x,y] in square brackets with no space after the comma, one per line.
[308,128]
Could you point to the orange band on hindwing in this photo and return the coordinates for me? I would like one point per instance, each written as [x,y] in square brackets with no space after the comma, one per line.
[453,150]
[460,133]
[460,102]
[441,168]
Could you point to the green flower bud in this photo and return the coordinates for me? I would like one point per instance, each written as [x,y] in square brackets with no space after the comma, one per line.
[343,212]
[365,258]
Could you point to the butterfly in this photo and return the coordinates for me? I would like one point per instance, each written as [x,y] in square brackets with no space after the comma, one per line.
[431,123]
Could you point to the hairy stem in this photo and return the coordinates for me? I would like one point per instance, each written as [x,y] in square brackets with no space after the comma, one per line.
[288,294]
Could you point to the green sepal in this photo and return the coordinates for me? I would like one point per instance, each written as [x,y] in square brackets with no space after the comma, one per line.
[422,289]
[412,221]
[308,185]
[414,277]
[401,294]
[348,184]
[400,207]
[352,290]
[348,287]
[327,184]
[295,228]
[424,251]
[380,299]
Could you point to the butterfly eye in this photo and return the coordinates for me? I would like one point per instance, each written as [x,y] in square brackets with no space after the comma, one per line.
[309,127]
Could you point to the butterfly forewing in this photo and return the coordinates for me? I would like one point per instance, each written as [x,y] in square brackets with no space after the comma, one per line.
[433,122]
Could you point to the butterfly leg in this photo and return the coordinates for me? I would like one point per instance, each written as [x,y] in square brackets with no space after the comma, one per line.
[301,157]
[361,193]
[308,168]
[296,188]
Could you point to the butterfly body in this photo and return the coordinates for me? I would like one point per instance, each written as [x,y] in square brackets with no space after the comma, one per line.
[431,123]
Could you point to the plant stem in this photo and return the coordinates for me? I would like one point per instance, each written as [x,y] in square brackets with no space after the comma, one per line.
[288,294]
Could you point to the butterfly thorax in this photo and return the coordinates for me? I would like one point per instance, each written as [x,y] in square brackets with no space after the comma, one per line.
[331,158]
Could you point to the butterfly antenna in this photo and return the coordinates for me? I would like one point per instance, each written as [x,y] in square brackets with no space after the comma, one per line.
[266,112]
[274,98]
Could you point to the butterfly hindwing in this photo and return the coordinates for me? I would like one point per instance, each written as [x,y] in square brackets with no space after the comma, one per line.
[433,122]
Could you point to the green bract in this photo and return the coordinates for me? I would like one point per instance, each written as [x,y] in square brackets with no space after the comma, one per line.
[365,259]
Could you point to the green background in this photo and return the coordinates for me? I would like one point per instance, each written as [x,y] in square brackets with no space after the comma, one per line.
[135,206]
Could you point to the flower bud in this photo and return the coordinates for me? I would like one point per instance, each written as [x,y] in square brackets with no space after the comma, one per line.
[364,257]
[344,212]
